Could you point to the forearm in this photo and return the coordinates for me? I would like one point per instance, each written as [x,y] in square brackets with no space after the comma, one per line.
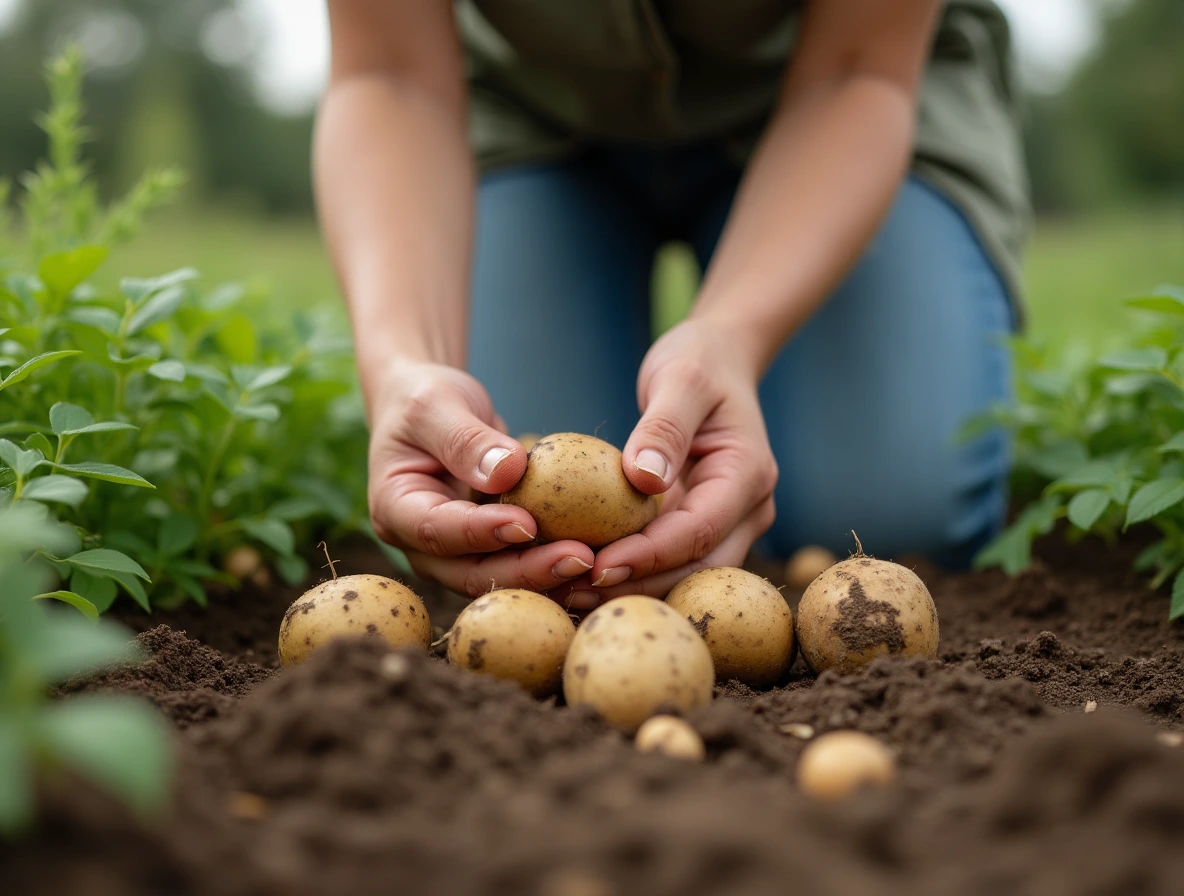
[394,182]
[820,182]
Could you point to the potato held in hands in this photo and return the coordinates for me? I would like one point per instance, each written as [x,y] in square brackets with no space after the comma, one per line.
[574,487]
[633,656]
[863,608]
[515,635]
[353,606]
[745,621]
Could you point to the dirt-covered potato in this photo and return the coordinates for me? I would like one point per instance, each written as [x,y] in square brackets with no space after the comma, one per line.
[353,606]
[841,762]
[670,736]
[862,608]
[806,564]
[574,487]
[634,655]
[516,635]
[745,621]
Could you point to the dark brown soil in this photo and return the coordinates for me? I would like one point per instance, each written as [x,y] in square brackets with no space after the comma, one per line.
[371,772]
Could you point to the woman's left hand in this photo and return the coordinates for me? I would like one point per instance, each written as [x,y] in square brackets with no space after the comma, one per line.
[701,440]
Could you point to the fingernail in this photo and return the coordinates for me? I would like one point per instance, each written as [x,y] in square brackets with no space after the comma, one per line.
[492,458]
[512,533]
[569,568]
[652,462]
[582,600]
[614,575]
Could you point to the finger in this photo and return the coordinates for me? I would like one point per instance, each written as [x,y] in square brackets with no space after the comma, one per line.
[468,447]
[730,552]
[658,447]
[418,511]
[536,569]
[724,489]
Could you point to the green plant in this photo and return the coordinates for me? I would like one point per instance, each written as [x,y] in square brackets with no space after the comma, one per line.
[165,422]
[118,742]
[1100,443]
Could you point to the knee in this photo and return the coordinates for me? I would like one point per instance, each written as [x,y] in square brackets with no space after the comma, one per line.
[945,507]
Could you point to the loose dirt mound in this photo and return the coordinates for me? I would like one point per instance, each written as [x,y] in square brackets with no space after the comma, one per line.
[370,772]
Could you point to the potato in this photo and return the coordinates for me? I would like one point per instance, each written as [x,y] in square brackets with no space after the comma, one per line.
[245,563]
[671,736]
[634,655]
[349,606]
[863,608]
[516,635]
[574,487]
[841,762]
[745,621]
[806,564]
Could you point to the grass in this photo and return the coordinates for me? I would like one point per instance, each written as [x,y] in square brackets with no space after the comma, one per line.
[1077,272]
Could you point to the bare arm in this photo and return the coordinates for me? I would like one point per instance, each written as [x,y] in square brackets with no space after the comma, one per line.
[395,191]
[822,179]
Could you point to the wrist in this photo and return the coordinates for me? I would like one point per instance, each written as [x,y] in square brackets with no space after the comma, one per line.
[747,345]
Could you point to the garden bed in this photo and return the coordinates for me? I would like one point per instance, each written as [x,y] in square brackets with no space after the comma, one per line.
[358,774]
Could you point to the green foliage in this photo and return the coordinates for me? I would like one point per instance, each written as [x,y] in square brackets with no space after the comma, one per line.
[1103,440]
[120,743]
[164,422]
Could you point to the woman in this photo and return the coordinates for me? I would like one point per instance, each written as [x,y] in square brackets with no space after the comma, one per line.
[849,174]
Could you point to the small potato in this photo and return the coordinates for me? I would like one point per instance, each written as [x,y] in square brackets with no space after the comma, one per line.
[671,736]
[806,564]
[574,487]
[841,762]
[863,608]
[634,655]
[516,635]
[350,606]
[745,621]
[245,563]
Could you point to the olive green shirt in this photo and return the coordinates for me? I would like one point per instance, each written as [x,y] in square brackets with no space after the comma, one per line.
[548,76]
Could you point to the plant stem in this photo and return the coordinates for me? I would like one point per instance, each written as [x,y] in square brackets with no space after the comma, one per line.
[207,486]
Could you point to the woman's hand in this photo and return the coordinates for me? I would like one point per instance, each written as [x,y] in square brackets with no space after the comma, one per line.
[433,435]
[702,439]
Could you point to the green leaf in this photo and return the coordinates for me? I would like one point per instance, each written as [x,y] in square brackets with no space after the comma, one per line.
[1177,607]
[160,307]
[133,587]
[269,376]
[293,569]
[65,418]
[1154,498]
[99,591]
[172,371]
[265,412]
[138,289]
[103,561]
[34,364]
[56,489]
[298,507]
[77,601]
[1175,443]
[120,742]
[1011,550]
[22,462]
[63,271]
[1086,507]
[237,339]
[107,473]
[192,588]
[1151,358]
[73,645]
[276,534]
[105,320]
[177,534]
[134,364]
[16,776]
[1163,304]
[38,442]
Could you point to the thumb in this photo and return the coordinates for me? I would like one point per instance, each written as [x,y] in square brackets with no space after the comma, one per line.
[472,450]
[658,447]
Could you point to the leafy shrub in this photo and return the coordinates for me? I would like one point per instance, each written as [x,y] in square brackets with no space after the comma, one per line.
[118,742]
[1103,441]
[165,422]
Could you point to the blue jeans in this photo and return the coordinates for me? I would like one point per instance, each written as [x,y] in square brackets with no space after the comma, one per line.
[862,405]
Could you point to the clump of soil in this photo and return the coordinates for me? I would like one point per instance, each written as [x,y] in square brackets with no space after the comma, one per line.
[187,681]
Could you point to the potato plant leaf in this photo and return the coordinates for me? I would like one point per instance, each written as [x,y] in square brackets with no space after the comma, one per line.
[276,534]
[62,271]
[1154,498]
[103,561]
[1177,606]
[34,364]
[107,473]
[16,775]
[56,489]
[1086,507]
[77,601]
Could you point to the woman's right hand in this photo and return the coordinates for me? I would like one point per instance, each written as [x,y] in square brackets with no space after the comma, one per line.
[433,433]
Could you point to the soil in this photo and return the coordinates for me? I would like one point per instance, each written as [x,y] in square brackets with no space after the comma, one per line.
[1035,756]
